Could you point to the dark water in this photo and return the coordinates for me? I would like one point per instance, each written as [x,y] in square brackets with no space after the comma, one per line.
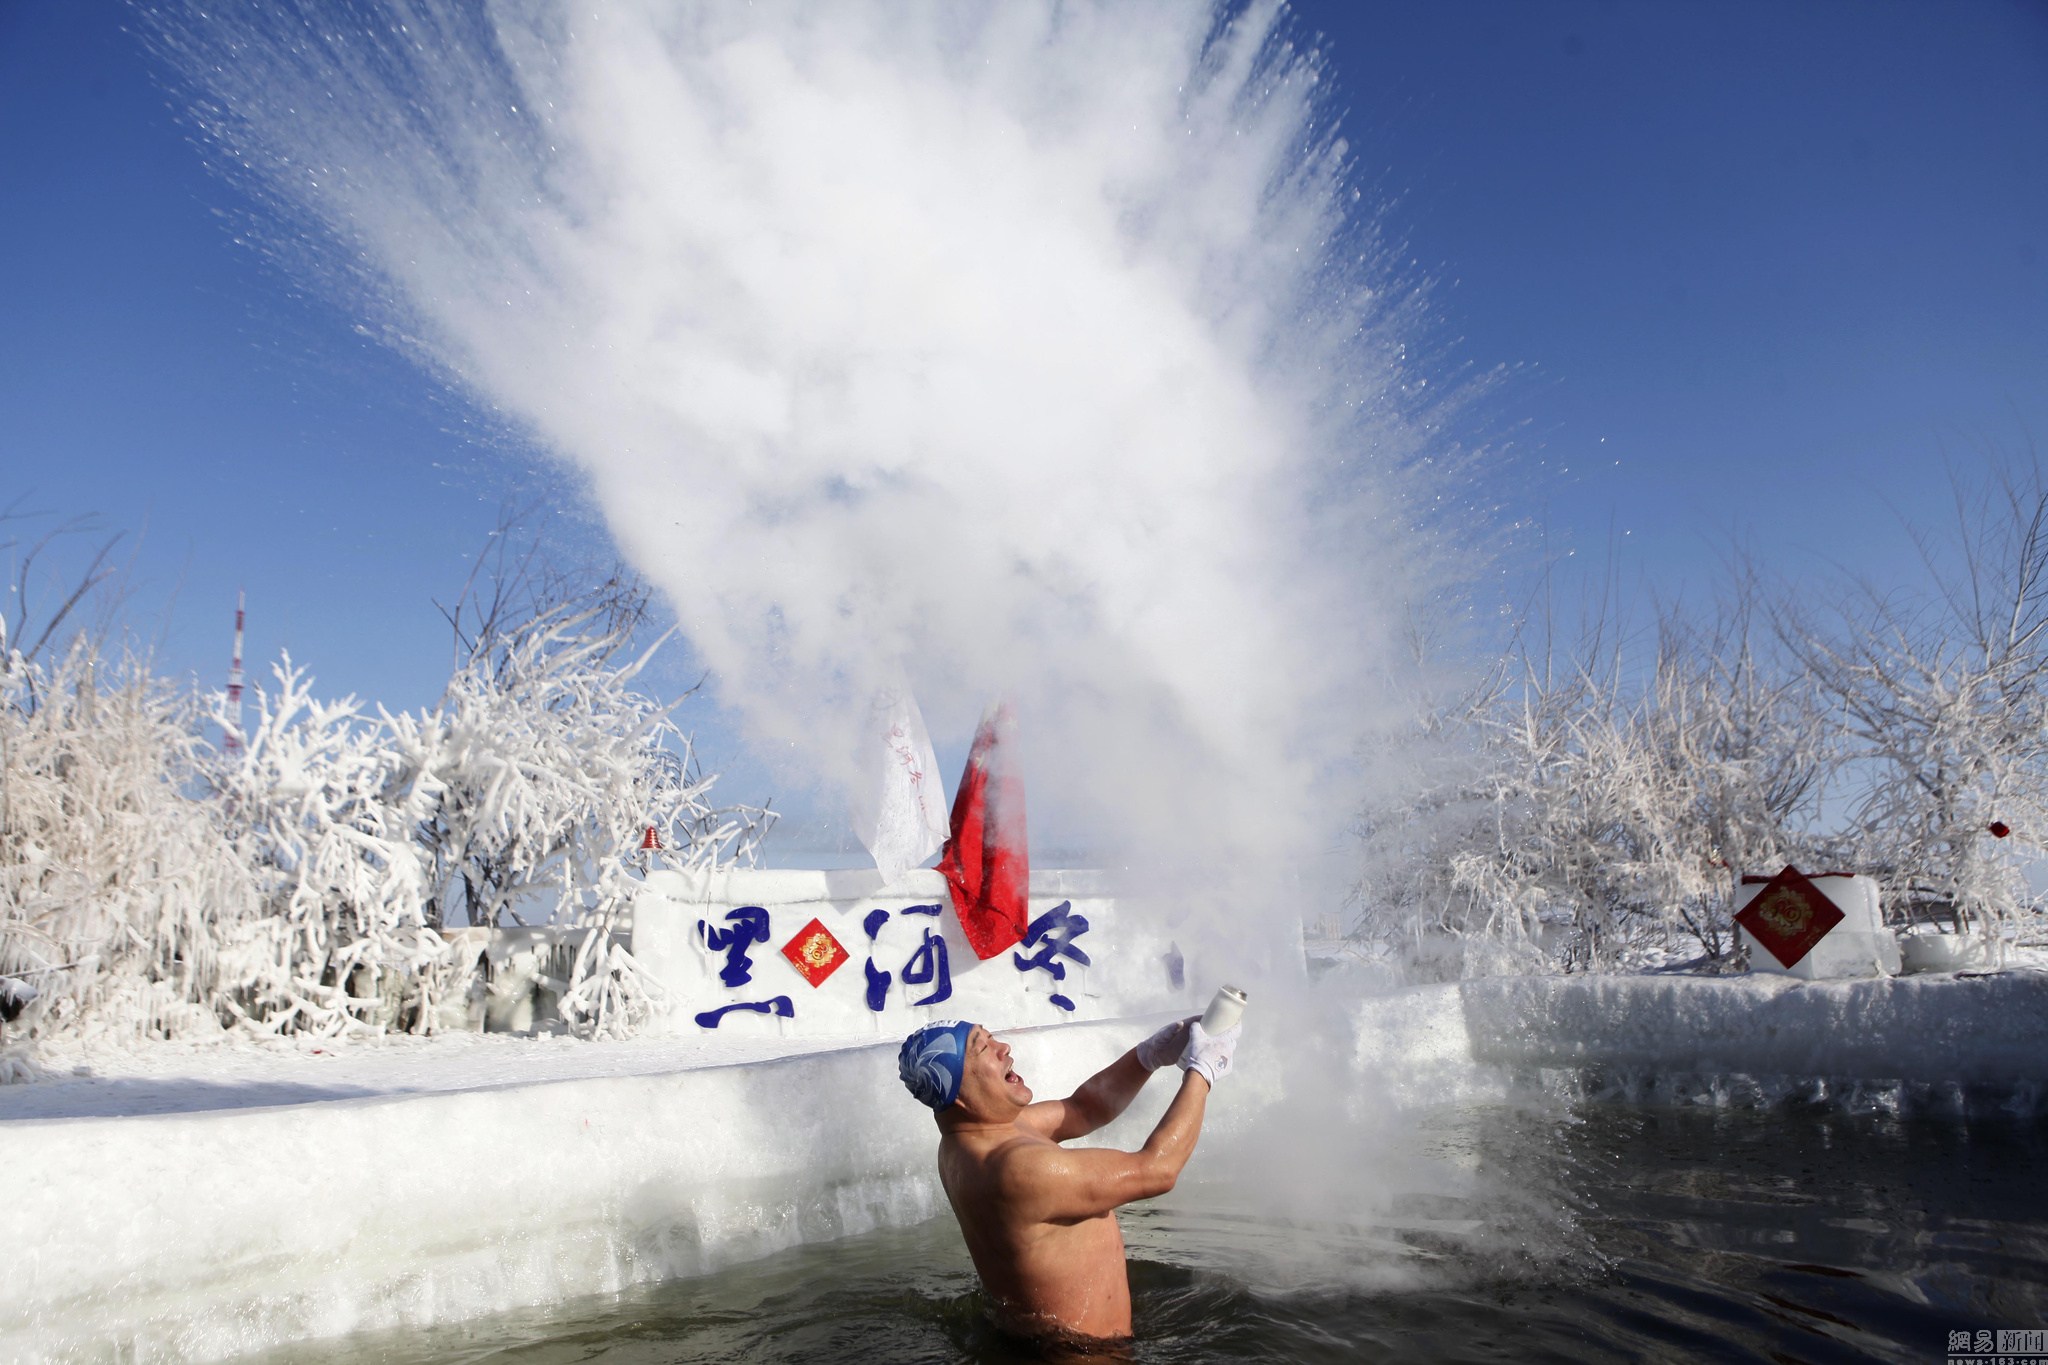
[1592,1234]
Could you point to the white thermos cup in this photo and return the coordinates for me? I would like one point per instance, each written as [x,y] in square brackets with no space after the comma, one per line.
[1224,1011]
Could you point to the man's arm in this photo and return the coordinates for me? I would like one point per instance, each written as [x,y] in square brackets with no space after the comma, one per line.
[1054,1185]
[1105,1094]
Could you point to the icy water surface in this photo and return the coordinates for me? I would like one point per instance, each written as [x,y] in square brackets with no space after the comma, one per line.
[1601,1233]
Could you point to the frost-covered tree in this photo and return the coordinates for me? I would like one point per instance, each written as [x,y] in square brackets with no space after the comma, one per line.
[1942,698]
[538,770]
[515,798]
[1727,757]
[1556,864]
[150,886]
[543,764]
[113,873]
[1583,807]
[1578,809]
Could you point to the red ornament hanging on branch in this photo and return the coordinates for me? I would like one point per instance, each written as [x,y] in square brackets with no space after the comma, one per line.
[1999,829]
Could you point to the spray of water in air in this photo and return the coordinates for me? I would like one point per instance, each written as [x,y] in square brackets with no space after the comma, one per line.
[1032,349]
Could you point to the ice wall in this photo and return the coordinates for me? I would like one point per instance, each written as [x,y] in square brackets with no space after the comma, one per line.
[206,1234]
[1925,1030]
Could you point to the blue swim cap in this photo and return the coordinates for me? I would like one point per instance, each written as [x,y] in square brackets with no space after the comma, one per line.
[931,1062]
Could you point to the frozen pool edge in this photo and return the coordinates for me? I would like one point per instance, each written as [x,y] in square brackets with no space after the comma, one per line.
[212,1234]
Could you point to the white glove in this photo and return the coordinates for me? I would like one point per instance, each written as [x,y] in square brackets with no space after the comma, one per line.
[1210,1053]
[1165,1046]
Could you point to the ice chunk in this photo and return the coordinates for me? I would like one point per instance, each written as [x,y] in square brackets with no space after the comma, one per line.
[1860,945]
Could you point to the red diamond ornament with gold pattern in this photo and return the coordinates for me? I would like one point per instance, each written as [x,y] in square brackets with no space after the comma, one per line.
[814,952]
[1789,916]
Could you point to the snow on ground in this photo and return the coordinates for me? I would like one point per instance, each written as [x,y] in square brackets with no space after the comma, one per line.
[175,1078]
[198,1203]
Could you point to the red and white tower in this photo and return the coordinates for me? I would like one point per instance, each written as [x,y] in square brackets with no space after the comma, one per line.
[231,730]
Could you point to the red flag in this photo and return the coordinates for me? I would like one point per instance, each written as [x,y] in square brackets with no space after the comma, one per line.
[986,866]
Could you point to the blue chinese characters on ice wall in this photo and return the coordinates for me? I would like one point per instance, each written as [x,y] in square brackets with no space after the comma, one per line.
[749,926]
[905,952]
[1053,934]
[928,964]
[781,1006]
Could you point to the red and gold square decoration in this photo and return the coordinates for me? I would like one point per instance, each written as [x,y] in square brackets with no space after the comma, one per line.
[814,952]
[1789,916]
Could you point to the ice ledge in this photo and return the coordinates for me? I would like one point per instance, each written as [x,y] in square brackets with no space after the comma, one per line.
[207,1234]
[210,1234]
[1964,1030]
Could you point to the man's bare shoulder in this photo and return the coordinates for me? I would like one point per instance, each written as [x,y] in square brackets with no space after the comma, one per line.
[998,1149]
[1008,1161]
[1045,1118]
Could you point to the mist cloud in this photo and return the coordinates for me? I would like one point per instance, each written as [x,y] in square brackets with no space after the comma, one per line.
[1028,349]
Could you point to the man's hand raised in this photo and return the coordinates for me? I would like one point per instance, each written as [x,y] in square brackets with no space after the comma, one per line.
[1210,1054]
[1166,1045]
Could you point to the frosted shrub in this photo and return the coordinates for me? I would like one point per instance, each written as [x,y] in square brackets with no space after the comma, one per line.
[1417,907]
[152,887]
[538,770]
[344,943]
[511,800]
[1728,753]
[1591,811]
[118,887]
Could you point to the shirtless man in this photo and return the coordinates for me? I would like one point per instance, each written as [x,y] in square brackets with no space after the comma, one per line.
[1040,1219]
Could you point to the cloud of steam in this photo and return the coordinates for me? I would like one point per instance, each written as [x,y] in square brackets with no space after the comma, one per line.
[1030,349]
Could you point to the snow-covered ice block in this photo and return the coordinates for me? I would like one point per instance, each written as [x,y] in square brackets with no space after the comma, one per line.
[1860,945]
[1416,1046]
[1936,952]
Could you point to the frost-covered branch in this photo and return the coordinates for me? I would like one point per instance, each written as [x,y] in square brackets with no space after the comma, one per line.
[150,886]
[1942,697]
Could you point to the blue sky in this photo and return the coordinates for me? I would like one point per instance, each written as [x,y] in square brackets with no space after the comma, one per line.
[1750,270]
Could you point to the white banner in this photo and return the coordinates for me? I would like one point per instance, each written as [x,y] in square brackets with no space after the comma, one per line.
[904,822]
